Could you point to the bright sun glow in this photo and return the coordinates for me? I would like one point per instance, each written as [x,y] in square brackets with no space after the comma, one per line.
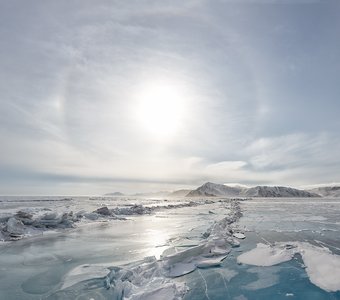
[160,109]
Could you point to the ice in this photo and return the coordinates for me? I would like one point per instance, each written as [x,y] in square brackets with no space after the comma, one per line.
[322,267]
[266,255]
[180,269]
[133,210]
[227,274]
[266,278]
[84,272]
[210,262]
[220,251]
[103,211]
[210,253]
[62,217]
[24,224]
[15,227]
[138,209]
[321,264]
[196,251]
[293,215]
[91,216]
[25,217]
[239,235]
[143,280]
[241,297]
[183,255]
[154,279]
[174,291]
[40,259]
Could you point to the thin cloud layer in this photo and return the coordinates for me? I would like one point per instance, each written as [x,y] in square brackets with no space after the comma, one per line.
[256,84]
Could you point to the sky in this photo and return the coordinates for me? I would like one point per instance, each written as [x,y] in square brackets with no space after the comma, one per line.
[133,96]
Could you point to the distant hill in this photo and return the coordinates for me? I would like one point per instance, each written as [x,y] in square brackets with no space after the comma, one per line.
[210,189]
[114,194]
[179,193]
[327,191]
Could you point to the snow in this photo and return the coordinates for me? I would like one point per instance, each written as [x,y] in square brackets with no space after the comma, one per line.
[265,255]
[213,189]
[210,189]
[322,267]
[321,264]
[327,191]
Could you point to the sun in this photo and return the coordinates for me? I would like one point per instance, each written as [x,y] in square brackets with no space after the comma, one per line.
[160,109]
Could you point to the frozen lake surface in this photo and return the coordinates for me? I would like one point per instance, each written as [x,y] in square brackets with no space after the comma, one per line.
[173,249]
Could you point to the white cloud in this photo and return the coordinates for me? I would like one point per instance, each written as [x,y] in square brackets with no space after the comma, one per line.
[70,74]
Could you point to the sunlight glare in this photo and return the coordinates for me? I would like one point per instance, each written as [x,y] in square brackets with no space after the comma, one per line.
[160,109]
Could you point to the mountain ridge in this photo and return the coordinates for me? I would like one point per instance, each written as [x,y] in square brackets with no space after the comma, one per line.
[326,191]
[210,189]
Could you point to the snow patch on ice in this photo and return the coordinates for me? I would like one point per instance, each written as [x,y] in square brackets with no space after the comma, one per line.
[321,264]
[266,255]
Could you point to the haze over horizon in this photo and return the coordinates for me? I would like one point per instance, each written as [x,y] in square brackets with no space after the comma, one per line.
[134,96]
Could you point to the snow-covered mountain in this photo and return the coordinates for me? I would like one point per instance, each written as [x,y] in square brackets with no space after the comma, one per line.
[277,191]
[212,189]
[327,191]
[179,193]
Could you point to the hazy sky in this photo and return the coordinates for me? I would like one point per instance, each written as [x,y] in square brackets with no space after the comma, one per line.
[102,96]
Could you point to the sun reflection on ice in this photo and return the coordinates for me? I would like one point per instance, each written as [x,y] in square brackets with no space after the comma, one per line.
[158,241]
